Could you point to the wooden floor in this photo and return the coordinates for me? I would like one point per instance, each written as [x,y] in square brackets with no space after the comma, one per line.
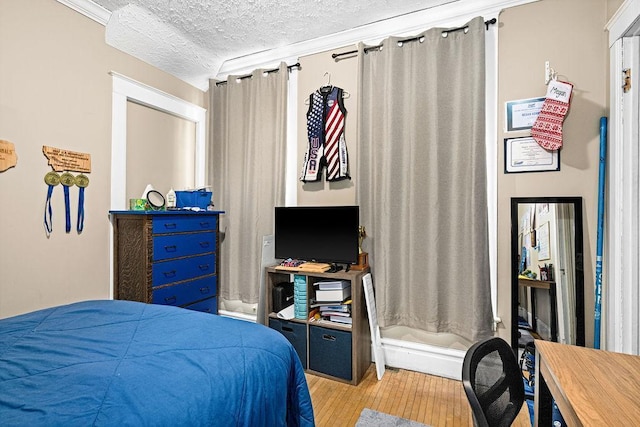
[431,400]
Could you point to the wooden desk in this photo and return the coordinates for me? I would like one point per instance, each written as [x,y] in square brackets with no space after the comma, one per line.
[591,387]
[532,285]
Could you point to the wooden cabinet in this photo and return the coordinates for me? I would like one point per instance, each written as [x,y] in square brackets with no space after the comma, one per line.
[166,257]
[329,349]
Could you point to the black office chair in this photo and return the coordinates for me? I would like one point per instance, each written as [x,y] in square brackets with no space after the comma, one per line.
[493,383]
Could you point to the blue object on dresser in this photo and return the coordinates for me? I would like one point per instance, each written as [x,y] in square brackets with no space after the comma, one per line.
[167,257]
[124,363]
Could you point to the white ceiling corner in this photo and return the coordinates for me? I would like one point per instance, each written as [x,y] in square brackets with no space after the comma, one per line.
[196,40]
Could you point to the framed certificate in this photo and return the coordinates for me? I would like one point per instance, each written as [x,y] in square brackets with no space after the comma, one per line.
[525,155]
[522,113]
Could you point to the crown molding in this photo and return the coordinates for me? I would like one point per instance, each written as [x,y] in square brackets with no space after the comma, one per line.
[88,9]
[447,13]
[444,15]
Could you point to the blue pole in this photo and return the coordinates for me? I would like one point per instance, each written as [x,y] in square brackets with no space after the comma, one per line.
[598,290]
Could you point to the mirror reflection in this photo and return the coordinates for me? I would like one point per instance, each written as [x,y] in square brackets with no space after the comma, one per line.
[547,271]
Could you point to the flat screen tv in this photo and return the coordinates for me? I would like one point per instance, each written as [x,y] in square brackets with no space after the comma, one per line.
[317,233]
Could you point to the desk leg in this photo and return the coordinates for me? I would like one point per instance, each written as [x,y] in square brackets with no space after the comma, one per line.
[542,405]
[554,312]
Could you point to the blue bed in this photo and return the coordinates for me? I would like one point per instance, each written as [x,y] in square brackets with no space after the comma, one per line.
[123,363]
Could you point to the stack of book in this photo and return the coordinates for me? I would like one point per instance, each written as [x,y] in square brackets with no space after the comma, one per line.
[333,300]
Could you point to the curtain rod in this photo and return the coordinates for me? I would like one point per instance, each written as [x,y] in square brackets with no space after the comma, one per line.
[412,39]
[248,76]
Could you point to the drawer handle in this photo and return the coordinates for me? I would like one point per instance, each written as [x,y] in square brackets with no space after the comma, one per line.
[203,267]
[328,337]
[171,273]
[171,248]
[287,328]
[170,300]
[204,290]
[170,225]
[204,244]
[204,224]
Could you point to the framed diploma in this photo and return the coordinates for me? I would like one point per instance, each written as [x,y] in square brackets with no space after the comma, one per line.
[525,155]
[522,114]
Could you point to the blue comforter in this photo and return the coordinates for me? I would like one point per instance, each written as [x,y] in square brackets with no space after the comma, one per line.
[121,363]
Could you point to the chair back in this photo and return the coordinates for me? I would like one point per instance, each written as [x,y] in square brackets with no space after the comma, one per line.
[493,383]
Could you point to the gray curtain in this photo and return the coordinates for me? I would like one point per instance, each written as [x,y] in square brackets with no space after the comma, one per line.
[246,156]
[422,180]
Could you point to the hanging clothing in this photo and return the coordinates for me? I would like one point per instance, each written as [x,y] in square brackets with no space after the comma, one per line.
[325,131]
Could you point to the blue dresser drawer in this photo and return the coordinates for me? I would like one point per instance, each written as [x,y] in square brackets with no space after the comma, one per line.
[330,352]
[181,245]
[177,270]
[182,224]
[296,333]
[185,293]
[210,305]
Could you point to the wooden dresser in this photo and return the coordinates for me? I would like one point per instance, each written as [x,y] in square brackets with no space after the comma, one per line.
[167,257]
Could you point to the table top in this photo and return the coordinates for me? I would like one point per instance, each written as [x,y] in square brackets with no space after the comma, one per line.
[591,387]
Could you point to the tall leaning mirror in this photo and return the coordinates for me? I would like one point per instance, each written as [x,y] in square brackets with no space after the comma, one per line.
[547,275]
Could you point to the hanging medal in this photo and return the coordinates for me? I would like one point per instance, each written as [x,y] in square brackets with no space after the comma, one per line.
[82,181]
[51,179]
[67,180]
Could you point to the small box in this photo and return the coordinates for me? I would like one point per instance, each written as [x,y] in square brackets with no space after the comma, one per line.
[282,295]
[193,199]
[330,352]
[296,333]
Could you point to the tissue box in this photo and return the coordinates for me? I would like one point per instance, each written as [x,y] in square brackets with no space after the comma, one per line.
[193,199]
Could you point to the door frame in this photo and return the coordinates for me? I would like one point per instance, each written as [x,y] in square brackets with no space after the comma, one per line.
[620,295]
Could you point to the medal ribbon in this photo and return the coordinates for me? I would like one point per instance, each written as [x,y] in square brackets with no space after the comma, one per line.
[51,179]
[81,181]
[67,180]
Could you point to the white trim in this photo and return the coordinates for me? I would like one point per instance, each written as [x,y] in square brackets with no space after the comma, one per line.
[125,90]
[89,9]
[421,357]
[238,316]
[620,297]
[624,22]
[445,15]
[613,218]
[491,135]
[620,293]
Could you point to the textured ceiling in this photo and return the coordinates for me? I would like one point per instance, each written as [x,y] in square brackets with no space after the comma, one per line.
[193,38]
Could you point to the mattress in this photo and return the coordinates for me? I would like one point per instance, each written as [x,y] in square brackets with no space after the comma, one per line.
[125,363]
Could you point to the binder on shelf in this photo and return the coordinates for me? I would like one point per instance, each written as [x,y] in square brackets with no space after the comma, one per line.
[335,313]
[327,285]
[341,319]
[336,295]
[344,308]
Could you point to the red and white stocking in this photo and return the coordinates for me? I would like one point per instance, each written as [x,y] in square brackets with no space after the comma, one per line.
[547,129]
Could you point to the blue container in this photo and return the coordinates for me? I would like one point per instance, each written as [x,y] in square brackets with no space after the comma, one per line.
[330,352]
[296,333]
[193,199]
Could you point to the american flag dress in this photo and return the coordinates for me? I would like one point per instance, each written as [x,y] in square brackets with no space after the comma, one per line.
[325,131]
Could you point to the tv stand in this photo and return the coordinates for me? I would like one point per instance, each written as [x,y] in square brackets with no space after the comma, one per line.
[332,350]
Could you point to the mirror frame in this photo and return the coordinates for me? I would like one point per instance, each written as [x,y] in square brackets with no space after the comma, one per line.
[579,262]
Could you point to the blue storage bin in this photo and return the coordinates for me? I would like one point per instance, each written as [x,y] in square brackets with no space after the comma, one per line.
[296,333]
[193,199]
[330,352]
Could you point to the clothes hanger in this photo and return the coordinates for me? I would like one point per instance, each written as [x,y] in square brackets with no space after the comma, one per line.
[327,88]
